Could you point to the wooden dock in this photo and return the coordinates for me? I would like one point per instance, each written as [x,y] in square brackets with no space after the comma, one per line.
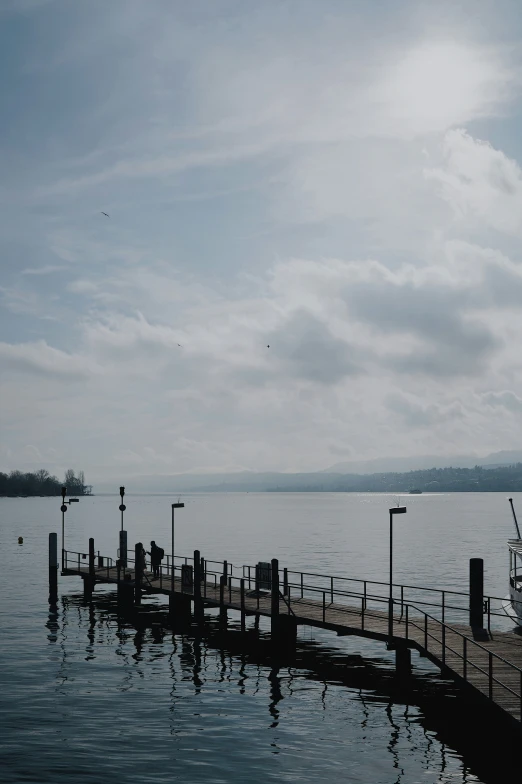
[486,661]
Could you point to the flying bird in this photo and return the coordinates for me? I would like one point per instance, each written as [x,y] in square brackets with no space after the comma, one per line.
[179,344]
[268,346]
[106,214]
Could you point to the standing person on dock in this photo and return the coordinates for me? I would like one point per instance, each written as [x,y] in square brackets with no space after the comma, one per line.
[156,554]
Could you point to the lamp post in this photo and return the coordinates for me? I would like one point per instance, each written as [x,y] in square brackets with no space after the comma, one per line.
[174,506]
[393,511]
[63,510]
[122,505]
[123,534]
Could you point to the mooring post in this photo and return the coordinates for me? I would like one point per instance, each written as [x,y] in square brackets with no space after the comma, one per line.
[89,580]
[118,574]
[243,614]
[287,634]
[53,568]
[123,548]
[91,559]
[223,580]
[198,605]
[476,592]
[138,571]
[402,662]
[274,614]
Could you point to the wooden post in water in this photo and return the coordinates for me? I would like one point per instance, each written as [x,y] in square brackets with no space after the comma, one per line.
[243,614]
[476,592]
[274,617]
[138,571]
[287,634]
[222,609]
[123,548]
[198,604]
[89,579]
[53,568]
[402,662]
[92,563]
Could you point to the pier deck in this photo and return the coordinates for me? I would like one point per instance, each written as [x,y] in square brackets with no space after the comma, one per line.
[489,662]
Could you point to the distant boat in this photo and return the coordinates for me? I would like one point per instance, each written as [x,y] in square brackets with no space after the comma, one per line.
[415,491]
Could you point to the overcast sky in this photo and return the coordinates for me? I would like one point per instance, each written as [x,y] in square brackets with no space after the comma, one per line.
[340,181]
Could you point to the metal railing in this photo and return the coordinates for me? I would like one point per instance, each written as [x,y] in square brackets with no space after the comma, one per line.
[467,644]
[329,594]
[374,591]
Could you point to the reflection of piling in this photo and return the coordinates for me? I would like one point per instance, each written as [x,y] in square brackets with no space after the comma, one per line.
[53,568]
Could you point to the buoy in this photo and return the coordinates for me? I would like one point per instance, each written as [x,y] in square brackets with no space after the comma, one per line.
[20,540]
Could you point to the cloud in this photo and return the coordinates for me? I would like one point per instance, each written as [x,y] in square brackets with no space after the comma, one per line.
[479,182]
[416,413]
[41,359]
[47,269]
[504,399]
[306,348]
[82,287]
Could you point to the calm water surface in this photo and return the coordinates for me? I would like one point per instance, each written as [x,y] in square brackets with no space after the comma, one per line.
[87,698]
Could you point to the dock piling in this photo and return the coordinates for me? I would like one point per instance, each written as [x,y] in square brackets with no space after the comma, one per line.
[476,593]
[243,614]
[53,568]
[222,608]
[90,578]
[198,604]
[402,662]
[287,634]
[123,548]
[274,616]
[138,571]
[91,559]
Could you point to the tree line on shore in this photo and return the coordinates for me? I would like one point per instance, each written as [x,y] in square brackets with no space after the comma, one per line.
[18,483]
[505,479]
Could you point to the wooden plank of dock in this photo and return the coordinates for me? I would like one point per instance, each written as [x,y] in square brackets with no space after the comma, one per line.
[457,654]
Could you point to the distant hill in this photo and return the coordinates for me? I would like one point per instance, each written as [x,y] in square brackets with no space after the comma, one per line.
[502,476]
[403,464]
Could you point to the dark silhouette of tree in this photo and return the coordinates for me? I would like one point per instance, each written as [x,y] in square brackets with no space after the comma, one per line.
[42,483]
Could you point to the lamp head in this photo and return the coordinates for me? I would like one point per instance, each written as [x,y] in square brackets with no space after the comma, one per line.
[122,491]
[398,510]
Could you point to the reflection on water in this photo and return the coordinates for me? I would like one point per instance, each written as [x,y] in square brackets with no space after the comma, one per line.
[329,712]
[87,697]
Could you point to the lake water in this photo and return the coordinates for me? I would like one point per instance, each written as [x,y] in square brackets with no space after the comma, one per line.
[87,698]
